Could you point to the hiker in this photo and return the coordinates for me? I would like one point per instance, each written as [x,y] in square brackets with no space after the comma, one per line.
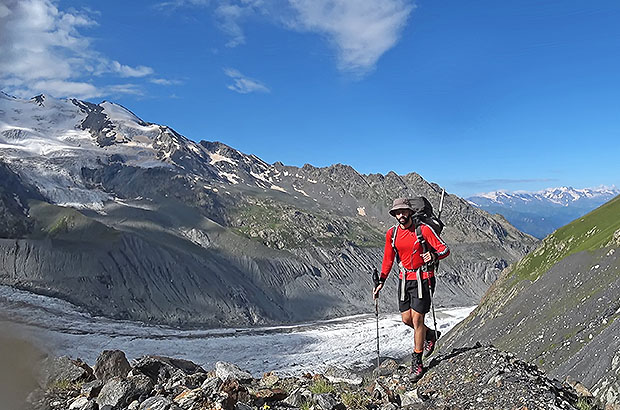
[402,242]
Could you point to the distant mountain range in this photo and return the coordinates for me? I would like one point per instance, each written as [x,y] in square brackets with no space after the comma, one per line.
[542,212]
[130,219]
[559,306]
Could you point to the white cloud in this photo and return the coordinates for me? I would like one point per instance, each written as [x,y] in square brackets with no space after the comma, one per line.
[74,89]
[361,30]
[229,20]
[243,84]
[174,4]
[43,51]
[163,81]
[123,89]
[126,71]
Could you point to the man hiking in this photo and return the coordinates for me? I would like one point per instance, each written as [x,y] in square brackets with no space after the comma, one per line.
[407,244]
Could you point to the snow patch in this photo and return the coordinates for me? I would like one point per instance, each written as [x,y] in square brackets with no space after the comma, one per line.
[301,191]
[278,188]
[232,178]
[217,157]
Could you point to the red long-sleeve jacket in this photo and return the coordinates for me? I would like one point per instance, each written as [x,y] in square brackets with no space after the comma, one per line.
[410,250]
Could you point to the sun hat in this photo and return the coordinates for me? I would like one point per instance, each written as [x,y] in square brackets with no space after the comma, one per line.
[400,203]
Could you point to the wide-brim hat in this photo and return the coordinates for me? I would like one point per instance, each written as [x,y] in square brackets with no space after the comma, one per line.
[400,203]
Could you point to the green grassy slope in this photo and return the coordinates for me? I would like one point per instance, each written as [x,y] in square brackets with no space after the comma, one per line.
[587,233]
[559,303]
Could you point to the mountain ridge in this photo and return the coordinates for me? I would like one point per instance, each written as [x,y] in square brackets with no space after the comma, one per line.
[304,236]
[541,212]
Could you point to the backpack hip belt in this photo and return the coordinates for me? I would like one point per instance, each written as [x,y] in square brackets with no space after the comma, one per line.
[404,272]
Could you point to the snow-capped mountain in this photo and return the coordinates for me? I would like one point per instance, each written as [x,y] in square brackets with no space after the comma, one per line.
[133,220]
[52,139]
[542,212]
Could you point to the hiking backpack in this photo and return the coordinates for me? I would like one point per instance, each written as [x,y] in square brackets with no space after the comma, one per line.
[422,212]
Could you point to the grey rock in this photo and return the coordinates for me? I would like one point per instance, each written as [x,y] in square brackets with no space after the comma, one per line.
[116,392]
[64,369]
[298,397]
[141,384]
[177,380]
[160,369]
[269,379]
[211,384]
[337,375]
[387,367]
[120,392]
[226,371]
[327,401]
[79,403]
[410,397]
[92,389]
[158,403]
[189,398]
[243,406]
[111,363]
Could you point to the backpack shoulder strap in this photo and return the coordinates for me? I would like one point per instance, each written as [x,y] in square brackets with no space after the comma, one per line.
[394,232]
[418,232]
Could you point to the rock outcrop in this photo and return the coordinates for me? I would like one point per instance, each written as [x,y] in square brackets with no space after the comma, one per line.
[470,378]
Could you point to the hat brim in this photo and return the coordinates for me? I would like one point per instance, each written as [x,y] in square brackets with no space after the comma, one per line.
[393,210]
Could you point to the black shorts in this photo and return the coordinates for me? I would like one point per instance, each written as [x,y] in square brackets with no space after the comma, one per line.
[411,296]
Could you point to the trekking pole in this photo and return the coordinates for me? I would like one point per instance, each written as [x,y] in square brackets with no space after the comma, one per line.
[375,279]
[429,279]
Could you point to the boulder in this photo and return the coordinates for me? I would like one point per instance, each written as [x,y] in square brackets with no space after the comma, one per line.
[269,380]
[92,389]
[211,385]
[159,369]
[79,403]
[327,401]
[118,392]
[298,397]
[111,363]
[227,371]
[339,375]
[64,369]
[190,398]
[158,403]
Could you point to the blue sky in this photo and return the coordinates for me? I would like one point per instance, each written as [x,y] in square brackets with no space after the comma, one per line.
[476,96]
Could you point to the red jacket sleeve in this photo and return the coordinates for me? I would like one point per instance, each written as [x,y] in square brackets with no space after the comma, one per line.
[435,241]
[388,255]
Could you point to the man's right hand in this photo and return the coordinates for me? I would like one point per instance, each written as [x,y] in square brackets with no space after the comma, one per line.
[375,292]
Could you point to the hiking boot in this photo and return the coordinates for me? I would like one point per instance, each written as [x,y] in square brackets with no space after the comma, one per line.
[430,342]
[417,369]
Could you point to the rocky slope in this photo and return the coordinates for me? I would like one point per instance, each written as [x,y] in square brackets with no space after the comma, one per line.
[132,220]
[559,305]
[470,378]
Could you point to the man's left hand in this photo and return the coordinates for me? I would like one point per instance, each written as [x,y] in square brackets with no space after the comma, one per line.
[427,257]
